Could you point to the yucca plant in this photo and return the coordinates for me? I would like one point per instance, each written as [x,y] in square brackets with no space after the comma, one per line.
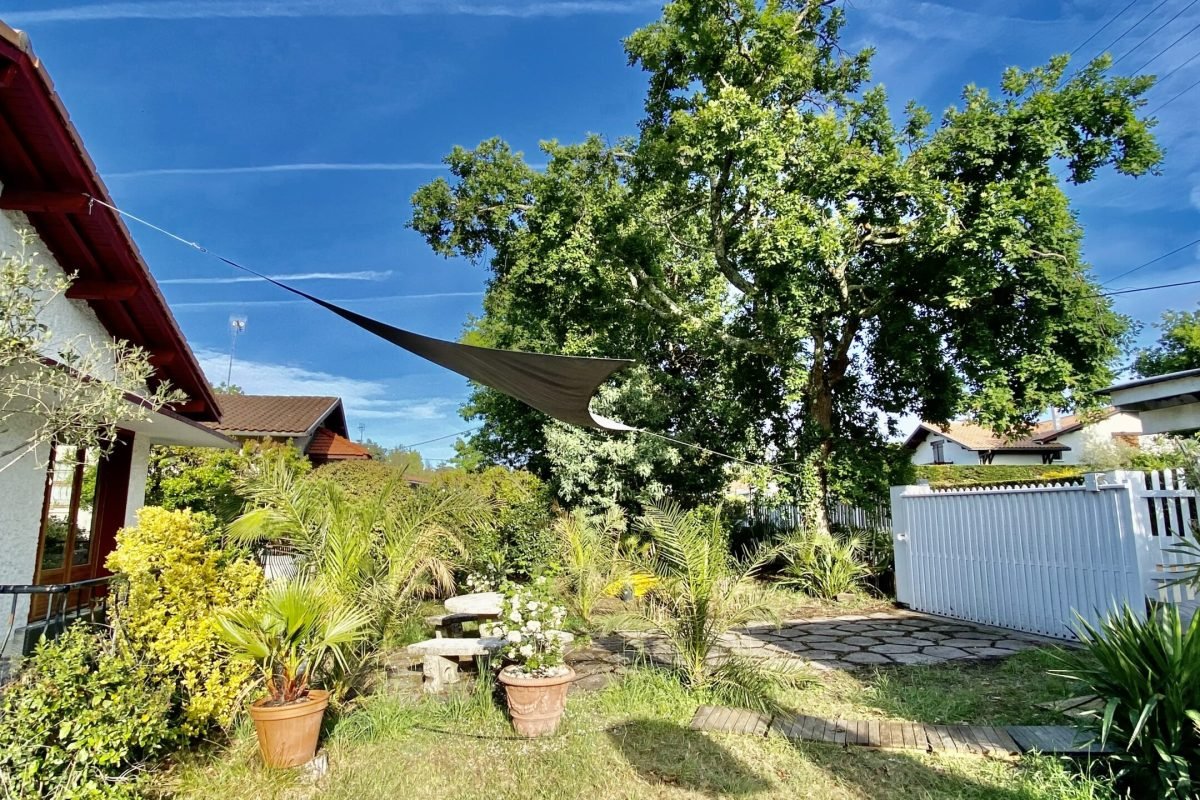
[697,601]
[1147,673]
[294,630]
[822,565]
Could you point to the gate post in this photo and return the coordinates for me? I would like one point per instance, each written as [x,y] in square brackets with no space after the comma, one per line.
[900,545]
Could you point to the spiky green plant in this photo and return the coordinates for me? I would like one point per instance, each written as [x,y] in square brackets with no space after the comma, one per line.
[821,564]
[697,601]
[590,554]
[1147,673]
[291,633]
[383,552]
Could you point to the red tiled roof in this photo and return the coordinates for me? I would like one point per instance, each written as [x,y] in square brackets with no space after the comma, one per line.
[976,437]
[48,176]
[279,415]
[329,446]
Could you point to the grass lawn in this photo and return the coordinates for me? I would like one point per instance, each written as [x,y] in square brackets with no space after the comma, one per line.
[631,741]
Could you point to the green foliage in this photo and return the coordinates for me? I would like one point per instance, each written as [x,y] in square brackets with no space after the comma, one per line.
[698,600]
[519,523]
[294,629]
[590,555]
[1177,348]
[821,564]
[79,718]
[530,624]
[789,261]
[1147,673]
[360,481]
[382,551]
[972,475]
[177,579]
[205,479]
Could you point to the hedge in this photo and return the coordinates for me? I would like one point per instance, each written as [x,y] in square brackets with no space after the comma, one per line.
[976,474]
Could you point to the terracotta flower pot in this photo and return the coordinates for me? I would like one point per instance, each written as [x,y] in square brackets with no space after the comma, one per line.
[287,735]
[536,704]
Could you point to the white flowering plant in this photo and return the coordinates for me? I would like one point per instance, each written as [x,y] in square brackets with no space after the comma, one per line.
[530,623]
[490,577]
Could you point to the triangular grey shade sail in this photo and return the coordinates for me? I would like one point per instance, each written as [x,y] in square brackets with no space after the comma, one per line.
[560,386]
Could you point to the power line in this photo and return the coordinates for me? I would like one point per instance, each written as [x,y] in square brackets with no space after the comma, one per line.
[1165,49]
[1173,99]
[1151,261]
[439,438]
[1131,28]
[1181,66]
[1150,288]
[1100,30]
[1152,33]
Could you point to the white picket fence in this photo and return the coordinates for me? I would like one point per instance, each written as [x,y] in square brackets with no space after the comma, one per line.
[1032,557]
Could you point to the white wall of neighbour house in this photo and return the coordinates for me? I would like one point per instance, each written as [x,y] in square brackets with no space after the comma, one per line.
[1098,434]
[952,452]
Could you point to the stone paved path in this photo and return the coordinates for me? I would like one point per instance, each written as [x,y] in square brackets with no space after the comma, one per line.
[857,640]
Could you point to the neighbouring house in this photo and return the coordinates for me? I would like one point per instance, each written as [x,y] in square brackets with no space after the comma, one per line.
[1064,440]
[315,425]
[1166,403]
[61,508]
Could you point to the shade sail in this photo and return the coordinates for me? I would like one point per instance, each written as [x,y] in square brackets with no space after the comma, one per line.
[560,386]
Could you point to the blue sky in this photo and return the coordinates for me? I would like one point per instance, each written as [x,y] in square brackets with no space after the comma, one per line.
[290,135]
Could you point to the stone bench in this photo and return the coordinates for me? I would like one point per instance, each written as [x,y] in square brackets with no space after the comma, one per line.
[449,624]
[441,656]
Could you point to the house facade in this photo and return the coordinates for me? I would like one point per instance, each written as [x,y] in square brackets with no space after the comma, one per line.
[61,506]
[1062,440]
[315,425]
[1166,403]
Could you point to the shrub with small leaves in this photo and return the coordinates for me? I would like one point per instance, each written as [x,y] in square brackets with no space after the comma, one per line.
[79,717]
[178,579]
[530,624]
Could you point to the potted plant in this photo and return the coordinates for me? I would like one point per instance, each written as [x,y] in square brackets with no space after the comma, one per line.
[294,629]
[537,678]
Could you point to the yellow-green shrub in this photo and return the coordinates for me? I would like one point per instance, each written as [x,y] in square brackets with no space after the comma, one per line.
[178,579]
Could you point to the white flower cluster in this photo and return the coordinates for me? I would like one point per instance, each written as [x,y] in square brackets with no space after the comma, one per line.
[530,624]
[480,583]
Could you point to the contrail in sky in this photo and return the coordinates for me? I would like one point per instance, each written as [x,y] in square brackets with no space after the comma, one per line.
[361,275]
[318,166]
[259,9]
[351,300]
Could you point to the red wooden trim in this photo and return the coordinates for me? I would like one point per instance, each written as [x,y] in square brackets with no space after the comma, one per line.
[101,290]
[47,202]
[112,497]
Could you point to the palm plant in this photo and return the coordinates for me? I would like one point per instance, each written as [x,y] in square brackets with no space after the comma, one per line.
[700,596]
[295,628]
[592,558]
[382,553]
[822,565]
[1147,673]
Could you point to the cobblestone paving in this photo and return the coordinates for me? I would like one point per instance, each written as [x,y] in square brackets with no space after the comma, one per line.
[858,640]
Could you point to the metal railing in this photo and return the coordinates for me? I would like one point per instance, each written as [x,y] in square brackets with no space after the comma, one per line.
[65,602]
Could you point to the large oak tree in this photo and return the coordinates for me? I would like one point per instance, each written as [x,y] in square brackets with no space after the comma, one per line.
[788,262]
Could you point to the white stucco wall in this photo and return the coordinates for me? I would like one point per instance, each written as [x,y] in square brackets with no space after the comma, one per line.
[137,478]
[22,490]
[67,319]
[1099,433]
[1172,420]
[952,452]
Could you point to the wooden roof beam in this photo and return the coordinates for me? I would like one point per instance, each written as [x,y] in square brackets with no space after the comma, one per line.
[101,290]
[43,202]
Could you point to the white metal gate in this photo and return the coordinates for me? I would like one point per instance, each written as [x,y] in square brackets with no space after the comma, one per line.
[1031,558]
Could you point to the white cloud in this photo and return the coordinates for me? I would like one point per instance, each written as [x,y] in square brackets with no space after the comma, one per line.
[304,166]
[360,275]
[260,9]
[364,399]
[348,300]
